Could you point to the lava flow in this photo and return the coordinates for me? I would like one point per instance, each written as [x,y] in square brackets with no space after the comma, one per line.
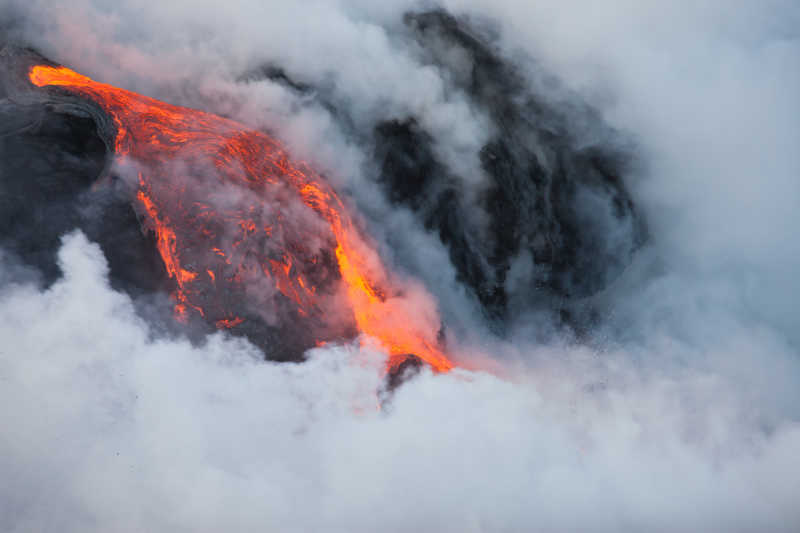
[234,219]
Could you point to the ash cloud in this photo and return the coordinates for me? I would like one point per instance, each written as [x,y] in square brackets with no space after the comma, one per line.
[673,407]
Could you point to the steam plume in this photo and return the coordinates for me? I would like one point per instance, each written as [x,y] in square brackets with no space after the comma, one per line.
[663,396]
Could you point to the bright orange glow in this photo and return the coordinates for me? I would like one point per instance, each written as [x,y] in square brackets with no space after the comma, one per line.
[228,323]
[42,75]
[154,135]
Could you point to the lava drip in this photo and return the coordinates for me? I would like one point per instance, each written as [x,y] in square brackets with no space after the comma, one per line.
[227,204]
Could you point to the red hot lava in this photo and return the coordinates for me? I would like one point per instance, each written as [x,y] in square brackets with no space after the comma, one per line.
[216,247]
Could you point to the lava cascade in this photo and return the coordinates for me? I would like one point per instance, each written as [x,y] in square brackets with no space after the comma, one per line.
[210,246]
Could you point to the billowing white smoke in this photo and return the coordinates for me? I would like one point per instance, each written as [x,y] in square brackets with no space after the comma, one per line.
[108,429]
[687,420]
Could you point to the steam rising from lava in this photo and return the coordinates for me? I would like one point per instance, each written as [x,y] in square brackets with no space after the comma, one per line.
[660,392]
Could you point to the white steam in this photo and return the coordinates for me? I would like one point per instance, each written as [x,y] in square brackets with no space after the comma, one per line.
[686,419]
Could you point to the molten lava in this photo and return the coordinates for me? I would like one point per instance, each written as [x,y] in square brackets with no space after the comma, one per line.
[216,245]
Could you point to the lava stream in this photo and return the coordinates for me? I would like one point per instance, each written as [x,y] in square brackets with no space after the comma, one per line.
[153,135]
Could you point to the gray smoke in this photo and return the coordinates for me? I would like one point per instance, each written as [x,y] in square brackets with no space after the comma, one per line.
[678,411]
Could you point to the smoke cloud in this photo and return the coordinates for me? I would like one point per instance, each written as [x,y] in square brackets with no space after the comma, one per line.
[676,409]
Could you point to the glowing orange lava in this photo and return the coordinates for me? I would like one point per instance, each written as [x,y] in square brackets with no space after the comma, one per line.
[152,136]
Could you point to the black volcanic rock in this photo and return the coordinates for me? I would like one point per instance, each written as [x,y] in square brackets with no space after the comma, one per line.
[52,154]
[552,197]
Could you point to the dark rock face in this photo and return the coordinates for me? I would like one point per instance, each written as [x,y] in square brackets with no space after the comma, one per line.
[553,200]
[53,151]
[48,164]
